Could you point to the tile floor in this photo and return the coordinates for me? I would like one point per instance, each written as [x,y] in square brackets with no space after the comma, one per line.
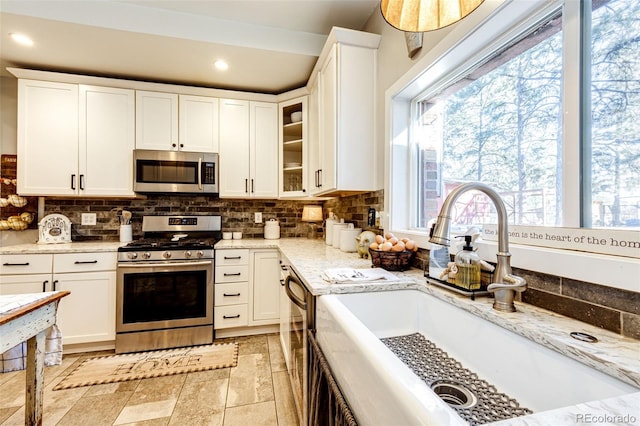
[255,392]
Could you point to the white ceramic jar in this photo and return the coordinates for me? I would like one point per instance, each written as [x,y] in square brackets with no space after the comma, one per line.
[336,232]
[348,241]
[271,229]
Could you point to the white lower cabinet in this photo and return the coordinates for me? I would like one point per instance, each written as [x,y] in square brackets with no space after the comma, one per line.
[231,278]
[247,287]
[87,315]
[266,287]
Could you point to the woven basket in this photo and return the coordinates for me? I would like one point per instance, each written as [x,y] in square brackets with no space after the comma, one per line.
[392,260]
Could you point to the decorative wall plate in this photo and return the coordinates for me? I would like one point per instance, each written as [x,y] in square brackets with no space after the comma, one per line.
[54,228]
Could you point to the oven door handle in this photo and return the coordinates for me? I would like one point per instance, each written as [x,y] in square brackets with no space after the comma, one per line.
[152,265]
[302,304]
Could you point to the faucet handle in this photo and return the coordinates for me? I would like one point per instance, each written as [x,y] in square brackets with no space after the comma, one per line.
[505,293]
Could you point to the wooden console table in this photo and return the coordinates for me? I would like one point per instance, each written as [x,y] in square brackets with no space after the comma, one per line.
[27,317]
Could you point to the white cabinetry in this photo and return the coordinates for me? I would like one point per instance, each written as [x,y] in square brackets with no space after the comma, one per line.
[198,124]
[106,141]
[172,122]
[26,273]
[248,149]
[231,289]
[47,138]
[74,139]
[87,315]
[293,148]
[346,86]
[265,295]
[156,120]
[247,291]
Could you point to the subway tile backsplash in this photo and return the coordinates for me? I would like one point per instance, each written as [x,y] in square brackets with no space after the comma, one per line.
[606,307]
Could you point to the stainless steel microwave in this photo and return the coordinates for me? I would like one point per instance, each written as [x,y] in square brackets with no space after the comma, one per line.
[175,172]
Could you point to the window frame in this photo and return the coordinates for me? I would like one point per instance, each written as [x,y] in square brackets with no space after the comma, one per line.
[467,43]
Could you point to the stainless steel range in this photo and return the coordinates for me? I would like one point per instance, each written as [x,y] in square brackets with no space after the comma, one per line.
[164,289]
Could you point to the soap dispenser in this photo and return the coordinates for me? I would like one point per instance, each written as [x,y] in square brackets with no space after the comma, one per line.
[468,266]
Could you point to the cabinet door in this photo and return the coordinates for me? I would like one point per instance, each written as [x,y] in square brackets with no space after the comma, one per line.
[156,121]
[266,288]
[107,140]
[328,111]
[198,124]
[263,150]
[88,314]
[293,160]
[23,284]
[234,148]
[47,138]
[313,136]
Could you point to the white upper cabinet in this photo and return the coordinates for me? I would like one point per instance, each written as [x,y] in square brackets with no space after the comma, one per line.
[248,149]
[106,141]
[293,148]
[157,121]
[198,124]
[172,122]
[345,83]
[47,138]
[72,138]
[263,161]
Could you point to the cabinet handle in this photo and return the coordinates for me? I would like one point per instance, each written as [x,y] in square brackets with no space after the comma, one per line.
[44,285]
[232,275]
[231,295]
[281,282]
[246,185]
[82,262]
[55,283]
[173,145]
[73,182]
[181,145]
[230,316]
[252,186]
[320,178]
[82,182]
[16,264]
[225,258]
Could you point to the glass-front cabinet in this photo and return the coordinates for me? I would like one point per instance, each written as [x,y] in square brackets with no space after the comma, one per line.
[293,148]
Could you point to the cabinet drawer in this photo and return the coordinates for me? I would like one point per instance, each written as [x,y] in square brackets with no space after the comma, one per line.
[231,293]
[26,264]
[232,274]
[232,257]
[230,316]
[84,262]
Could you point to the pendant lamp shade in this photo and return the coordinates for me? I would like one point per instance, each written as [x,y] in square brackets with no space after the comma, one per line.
[426,15]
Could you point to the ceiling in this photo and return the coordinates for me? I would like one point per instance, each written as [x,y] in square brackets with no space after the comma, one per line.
[271,45]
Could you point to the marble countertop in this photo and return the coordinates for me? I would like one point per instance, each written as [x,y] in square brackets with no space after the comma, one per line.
[73,247]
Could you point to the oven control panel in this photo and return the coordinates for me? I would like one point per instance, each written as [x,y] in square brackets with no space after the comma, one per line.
[165,255]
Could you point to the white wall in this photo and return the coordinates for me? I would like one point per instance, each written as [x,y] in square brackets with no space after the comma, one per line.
[8,115]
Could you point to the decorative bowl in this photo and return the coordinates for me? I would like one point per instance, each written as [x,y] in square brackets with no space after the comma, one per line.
[391,260]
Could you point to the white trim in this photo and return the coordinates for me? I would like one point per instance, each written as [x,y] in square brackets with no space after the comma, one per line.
[502,20]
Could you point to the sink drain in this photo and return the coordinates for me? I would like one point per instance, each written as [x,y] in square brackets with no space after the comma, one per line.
[454,394]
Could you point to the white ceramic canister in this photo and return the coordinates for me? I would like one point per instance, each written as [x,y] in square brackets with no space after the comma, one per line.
[328,230]
[337,227]
[348,241]
[271,229]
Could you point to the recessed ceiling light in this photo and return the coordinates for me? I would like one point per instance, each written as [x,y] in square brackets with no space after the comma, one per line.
[221,65]
[21,39]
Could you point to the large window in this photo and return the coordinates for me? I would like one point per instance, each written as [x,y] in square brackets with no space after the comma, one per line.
[501,122]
